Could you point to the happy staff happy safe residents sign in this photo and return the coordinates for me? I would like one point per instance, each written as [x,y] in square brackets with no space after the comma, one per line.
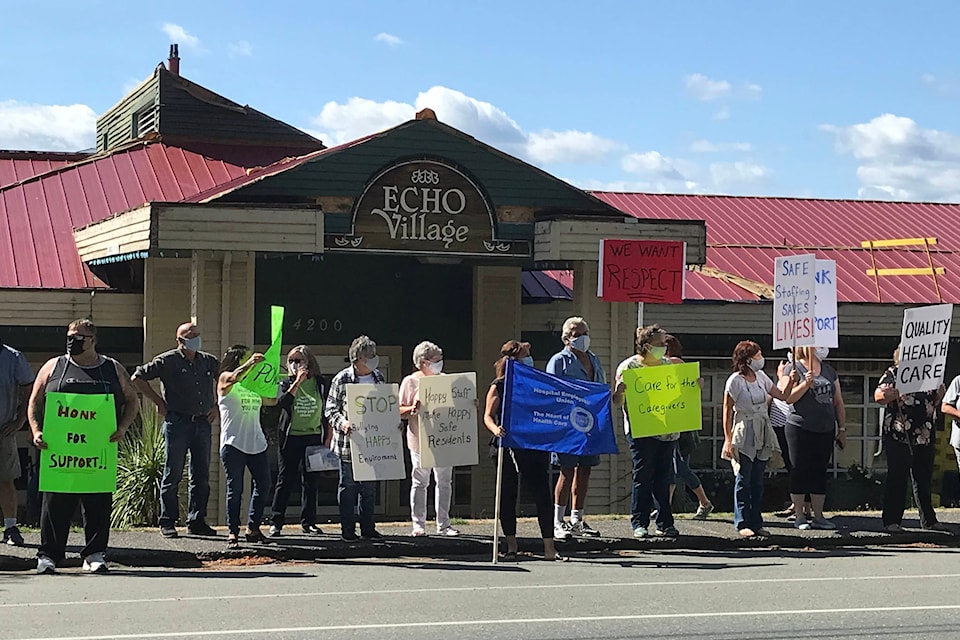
[642,271]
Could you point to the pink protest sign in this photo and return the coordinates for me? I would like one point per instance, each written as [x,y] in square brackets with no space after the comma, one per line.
[642,271]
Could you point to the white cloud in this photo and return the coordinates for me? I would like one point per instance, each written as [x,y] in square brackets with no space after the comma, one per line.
[46,127]
[357,117]
[947,85]
[660,173]
[388,39]
[179,35]
[901,160]
[705,146]
[751,91]
[725,174]
[722,114]
[240,49]
[703,88]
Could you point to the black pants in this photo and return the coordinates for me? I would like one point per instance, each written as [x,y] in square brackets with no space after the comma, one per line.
[55,516]
[784,447]
[293,472]
[531,468]
[906,462]
[810,453]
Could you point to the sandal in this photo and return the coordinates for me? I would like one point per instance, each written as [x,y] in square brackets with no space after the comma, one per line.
[508,556]
[557,558]
[256,536]
[232,542]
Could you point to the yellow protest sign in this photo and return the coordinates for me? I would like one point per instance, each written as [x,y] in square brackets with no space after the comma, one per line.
[663,399]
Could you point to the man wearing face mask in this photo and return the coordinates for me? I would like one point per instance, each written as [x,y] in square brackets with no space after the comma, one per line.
[575,361]
[351,493]
[428,359]
[188,406]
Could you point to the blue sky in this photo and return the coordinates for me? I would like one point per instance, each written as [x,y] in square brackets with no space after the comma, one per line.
[814,99]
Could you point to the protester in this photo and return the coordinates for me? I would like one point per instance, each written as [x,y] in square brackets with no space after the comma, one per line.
[188,406]
[428,359]
[814,424]
[81,371]
[951,407]
[686,445]
[779,410]
[520,466]
[301,425]
[242,443]
[352,493]
[749,440]
[654,456]
[575,361]
[16,379]
[909,438]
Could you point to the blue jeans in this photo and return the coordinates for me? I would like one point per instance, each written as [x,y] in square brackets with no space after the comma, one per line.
[685,473]
[348,492]
[748,494]
[180,434]
[234,462]
[653,473]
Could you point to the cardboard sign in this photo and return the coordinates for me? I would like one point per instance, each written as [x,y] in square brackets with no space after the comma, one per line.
[265,377]
[642,271]
[924,342]
[375,436]
[448,420]
[663,399]
[825,304]
[794,312]
[79,457]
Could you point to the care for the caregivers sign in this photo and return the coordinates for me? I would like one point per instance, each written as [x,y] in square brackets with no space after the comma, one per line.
[923,348]
[79,457]
[794,312]
[375,443]
[663,399]
[448,420]
[642,271]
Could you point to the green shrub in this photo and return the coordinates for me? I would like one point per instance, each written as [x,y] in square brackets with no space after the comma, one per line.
[136,501]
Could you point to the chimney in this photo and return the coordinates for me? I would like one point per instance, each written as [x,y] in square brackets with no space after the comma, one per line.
[173,63]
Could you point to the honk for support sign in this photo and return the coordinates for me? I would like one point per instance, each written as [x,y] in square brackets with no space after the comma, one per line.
[376,448]
[663,399]
[79,457]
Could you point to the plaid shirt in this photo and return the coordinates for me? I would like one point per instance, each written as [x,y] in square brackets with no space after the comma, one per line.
[336,407]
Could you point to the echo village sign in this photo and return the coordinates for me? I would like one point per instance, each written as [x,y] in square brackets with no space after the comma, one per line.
[425,206]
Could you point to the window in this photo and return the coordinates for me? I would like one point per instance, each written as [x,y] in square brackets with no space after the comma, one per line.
[144,121]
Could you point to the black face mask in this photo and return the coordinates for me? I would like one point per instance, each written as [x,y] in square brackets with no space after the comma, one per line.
[75,344]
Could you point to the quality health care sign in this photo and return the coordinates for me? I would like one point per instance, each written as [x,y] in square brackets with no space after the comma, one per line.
[79,457]
[924,342]
[375,443]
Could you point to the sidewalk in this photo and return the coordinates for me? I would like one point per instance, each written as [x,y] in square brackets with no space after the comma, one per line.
[146,548]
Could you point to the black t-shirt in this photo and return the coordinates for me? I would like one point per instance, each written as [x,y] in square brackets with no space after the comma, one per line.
[814,411]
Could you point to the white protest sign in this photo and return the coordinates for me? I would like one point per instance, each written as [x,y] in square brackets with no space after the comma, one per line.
[448,420]
[794,313]
[825,293]
[923,348]
[321,458]
[375,443]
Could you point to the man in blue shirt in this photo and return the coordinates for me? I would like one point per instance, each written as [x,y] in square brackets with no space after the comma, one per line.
[16,380]
[576,361]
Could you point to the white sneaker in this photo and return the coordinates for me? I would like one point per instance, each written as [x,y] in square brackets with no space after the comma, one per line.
[94,563]
[449,532]
[562,531]
[46,565]
[418,532]
[801,523]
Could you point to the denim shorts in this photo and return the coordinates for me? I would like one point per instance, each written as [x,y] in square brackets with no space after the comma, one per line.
[570,460]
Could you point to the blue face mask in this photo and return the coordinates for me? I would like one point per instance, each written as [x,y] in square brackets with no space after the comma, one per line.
[528,360]
[192,344]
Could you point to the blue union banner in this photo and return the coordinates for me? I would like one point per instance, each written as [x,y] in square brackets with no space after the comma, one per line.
[547,413]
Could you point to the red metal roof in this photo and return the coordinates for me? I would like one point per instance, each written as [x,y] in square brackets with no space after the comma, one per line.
[545,286]
[38,215]
[21,165]
[744,234]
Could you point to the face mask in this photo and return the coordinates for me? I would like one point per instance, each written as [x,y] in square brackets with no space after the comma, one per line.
[373,363]
[527,360]
[658,352]
[75,344]
[822,353]
[757,364]
[436,368]
[192,344]
[580,343]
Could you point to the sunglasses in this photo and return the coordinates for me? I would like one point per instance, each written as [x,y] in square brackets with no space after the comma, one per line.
[295,360]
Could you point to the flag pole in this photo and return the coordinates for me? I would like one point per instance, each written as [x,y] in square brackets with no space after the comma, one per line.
[496,507]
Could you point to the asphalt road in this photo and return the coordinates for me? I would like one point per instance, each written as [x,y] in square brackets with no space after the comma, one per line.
[857,593]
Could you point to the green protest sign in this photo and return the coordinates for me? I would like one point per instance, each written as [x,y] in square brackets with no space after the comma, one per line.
[663,399]
[79,457]
[265,377]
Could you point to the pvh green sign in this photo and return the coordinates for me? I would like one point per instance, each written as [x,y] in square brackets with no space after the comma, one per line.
[663,399]
[265,377]
[79,457]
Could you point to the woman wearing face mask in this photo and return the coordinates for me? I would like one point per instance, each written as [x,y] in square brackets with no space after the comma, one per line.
[814,424]
[526,466]
[748,437]
[428,358]
[653,457]
[301,425]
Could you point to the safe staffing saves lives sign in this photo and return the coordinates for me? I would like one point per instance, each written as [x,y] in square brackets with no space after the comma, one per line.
[642,271]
